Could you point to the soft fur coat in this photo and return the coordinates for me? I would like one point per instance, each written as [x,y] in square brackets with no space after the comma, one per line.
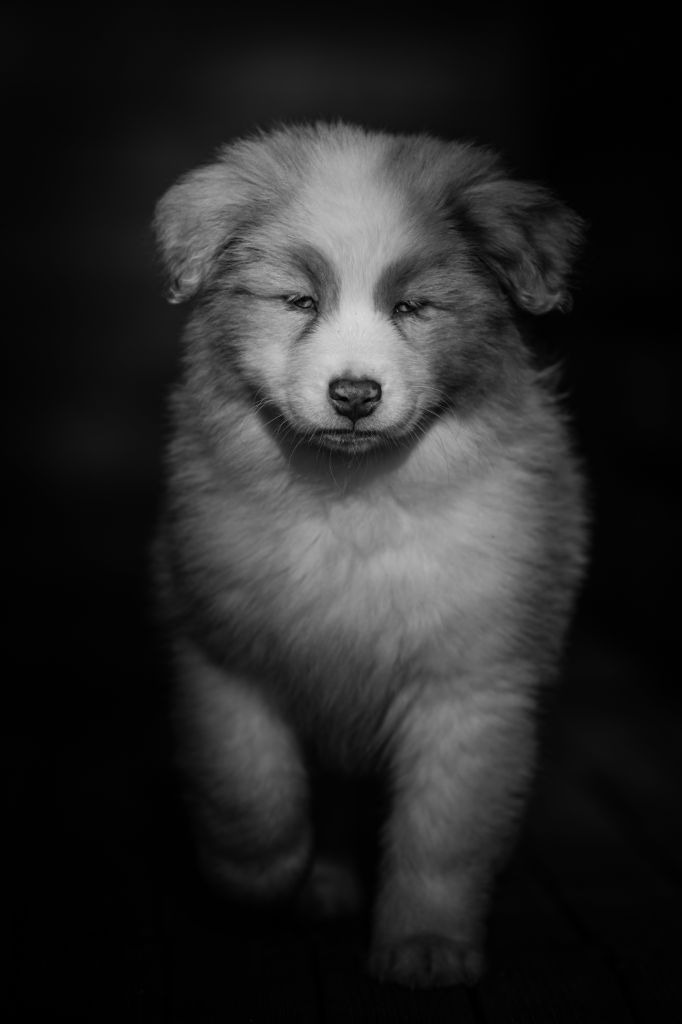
[374,527]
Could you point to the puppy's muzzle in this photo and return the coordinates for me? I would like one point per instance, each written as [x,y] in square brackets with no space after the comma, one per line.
[353,397]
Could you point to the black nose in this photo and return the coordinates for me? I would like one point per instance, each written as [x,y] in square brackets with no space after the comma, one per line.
[354,398]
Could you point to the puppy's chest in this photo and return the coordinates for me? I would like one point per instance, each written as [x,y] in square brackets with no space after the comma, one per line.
[384,569]
[361,556]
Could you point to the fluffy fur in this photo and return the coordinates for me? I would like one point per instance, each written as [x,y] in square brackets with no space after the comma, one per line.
[374,527]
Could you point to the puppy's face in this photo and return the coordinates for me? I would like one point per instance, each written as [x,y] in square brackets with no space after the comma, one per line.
[351,315]
[356,288]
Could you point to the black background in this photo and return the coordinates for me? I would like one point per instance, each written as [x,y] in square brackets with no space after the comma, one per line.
[102,114]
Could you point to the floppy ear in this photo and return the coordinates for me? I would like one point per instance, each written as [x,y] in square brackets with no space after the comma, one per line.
[192,221]
[526,237]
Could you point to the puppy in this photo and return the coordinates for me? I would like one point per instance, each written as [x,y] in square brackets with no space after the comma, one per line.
[374,527]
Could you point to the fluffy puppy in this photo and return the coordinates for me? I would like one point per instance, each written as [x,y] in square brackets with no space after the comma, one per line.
[374,526]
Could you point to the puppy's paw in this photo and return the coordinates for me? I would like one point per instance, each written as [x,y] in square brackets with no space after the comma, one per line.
[268,878]
[331,890]
[426,961]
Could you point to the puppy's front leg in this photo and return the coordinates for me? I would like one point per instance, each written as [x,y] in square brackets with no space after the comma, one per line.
[245,779]
[460,766]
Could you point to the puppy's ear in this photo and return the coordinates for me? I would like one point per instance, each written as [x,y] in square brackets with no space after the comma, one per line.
[526,237]
[192,222]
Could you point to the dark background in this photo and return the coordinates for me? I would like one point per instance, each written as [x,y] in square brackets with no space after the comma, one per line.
[102,114]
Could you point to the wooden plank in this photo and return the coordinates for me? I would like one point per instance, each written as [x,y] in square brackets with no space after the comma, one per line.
[616,898]
[232,965]
[553,988]
[349,995]
[541,969]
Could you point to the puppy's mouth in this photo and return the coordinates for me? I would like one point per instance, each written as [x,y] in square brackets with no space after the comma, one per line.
[347,440]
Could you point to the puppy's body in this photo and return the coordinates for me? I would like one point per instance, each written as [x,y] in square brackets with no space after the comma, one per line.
[374,528]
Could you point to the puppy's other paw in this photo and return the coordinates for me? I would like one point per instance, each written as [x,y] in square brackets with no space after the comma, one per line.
[331,890]
[426,961]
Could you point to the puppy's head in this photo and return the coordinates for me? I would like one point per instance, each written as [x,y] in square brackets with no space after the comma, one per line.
[359,283]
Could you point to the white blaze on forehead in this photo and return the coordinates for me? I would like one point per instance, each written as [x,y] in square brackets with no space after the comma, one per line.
[357,341]
[352,213]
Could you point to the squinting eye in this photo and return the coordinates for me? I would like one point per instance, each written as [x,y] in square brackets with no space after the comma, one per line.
[300,301]
[407,306]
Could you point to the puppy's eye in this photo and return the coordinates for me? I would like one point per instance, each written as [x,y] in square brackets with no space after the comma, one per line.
[407,307]
[300,301]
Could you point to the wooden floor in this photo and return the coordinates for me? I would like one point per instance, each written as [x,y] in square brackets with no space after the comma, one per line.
[108,922]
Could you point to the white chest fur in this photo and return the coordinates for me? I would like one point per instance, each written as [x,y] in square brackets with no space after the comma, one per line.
[383,581]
